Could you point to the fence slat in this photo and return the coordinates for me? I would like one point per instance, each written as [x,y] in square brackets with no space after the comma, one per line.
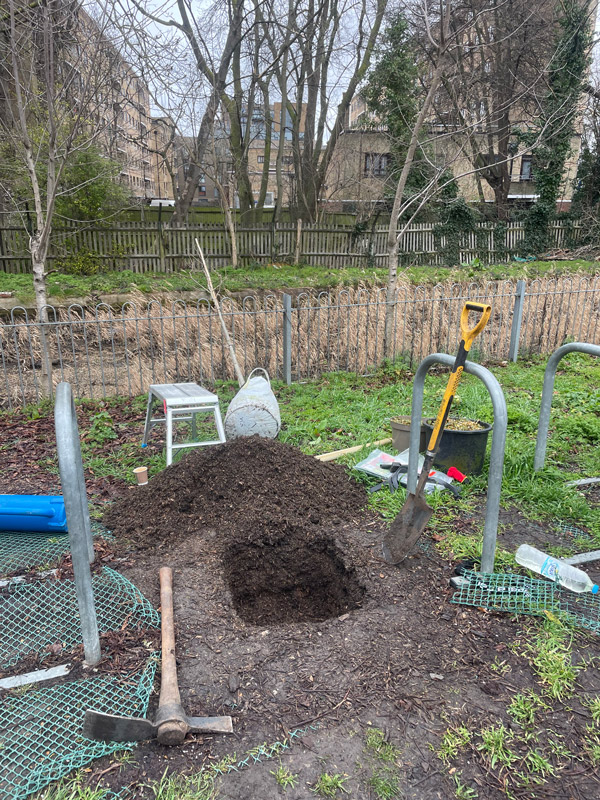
[148,247]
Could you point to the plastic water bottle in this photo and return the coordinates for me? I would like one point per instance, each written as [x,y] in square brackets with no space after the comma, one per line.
[566,574]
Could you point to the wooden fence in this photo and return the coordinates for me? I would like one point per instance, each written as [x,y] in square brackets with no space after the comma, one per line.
[152,247]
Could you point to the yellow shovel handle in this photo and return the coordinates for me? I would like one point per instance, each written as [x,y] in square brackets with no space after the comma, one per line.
[468,335]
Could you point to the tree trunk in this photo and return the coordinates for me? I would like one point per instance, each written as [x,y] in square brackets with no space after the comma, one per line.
[393,240]
[39,252]
[231,228]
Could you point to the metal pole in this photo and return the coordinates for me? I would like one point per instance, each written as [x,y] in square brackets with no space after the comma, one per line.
[515,332]
[78,521]
[492,507]
[547,392]
[287,338]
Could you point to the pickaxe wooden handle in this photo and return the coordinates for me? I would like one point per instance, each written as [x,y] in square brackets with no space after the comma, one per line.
[171,723]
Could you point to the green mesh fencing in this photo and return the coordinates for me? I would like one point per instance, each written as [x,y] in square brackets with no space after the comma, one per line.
[40,730]
[518,594]
[39,613]
[506,592]
[22,550]
[575,534]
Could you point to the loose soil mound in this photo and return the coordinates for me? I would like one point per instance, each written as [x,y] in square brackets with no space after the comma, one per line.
[275,513]
[250,489]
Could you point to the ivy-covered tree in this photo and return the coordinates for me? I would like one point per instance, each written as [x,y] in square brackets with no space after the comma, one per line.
[393,93]
[88,188]
[391,90]
[555,126]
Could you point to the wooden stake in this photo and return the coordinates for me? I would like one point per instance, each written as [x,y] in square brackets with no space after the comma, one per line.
[338,453]
[238,372]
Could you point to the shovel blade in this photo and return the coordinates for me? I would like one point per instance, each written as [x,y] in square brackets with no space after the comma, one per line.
[111,728]
[406,529]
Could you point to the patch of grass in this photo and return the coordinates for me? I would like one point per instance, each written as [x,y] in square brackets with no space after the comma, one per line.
[550,654]
[284,777]
[462,791]
[71,789]
[591,743]
[523,707]
[495,746]
[452,741]
[558,748]
[329,785]
[379,747]
[124,757]
[179,787]
[278,276]
[500,666]
[385,784]
[593,703]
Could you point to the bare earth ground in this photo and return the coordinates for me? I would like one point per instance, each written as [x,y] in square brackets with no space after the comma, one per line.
[297,622]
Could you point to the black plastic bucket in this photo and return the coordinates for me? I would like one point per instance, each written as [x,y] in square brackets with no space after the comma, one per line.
[464,450]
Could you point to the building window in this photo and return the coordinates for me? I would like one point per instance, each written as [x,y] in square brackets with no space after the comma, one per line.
[376,164]
[526,172]
[261,159]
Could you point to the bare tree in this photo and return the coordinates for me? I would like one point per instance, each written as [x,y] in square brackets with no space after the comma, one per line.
[452,139]
[53,58]
[328,47]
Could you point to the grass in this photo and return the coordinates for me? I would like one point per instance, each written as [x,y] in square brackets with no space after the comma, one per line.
[462,791]
[330,785]
[495,746]
[284,777]
[378,746]
[523,707]
[549,651]
[278,276]
[383,756]
[385,784]
[71,789]
[452,741]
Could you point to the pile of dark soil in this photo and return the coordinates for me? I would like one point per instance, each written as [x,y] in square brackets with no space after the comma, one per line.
[249,489]
[277,517]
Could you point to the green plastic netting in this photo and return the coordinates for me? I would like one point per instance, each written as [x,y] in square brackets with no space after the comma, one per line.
[575,534]
[21,550]
[40,613]
[518,594]
[40,730]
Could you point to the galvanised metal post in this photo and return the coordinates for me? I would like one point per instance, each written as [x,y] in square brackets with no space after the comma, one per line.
[287,338]
[78,520]
[515,331]
[492,507]
[548,390]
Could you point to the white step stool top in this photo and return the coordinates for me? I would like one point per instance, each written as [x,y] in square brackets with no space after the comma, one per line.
[182,394]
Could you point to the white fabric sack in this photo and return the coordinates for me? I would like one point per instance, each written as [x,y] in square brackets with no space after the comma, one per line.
[254,410]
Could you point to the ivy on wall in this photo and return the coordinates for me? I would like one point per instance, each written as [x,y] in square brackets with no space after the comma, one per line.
[556,124]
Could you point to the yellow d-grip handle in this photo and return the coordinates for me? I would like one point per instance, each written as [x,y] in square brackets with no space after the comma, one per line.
[468,335]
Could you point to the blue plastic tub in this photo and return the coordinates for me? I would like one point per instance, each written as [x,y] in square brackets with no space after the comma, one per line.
[32,512]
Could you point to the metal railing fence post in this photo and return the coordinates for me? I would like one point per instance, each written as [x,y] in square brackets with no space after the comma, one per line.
[287,338]
[547,392]
[78,520]
[492,508]
[517,320]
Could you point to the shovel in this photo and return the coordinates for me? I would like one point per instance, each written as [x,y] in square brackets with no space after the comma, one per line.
[171,724]
[411,521]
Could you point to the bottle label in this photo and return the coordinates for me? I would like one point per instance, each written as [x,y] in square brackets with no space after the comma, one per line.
[550,569]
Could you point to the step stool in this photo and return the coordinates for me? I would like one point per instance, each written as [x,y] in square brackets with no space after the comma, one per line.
[181,402]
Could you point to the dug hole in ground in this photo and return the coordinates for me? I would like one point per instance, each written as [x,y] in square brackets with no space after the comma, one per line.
[287,618]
